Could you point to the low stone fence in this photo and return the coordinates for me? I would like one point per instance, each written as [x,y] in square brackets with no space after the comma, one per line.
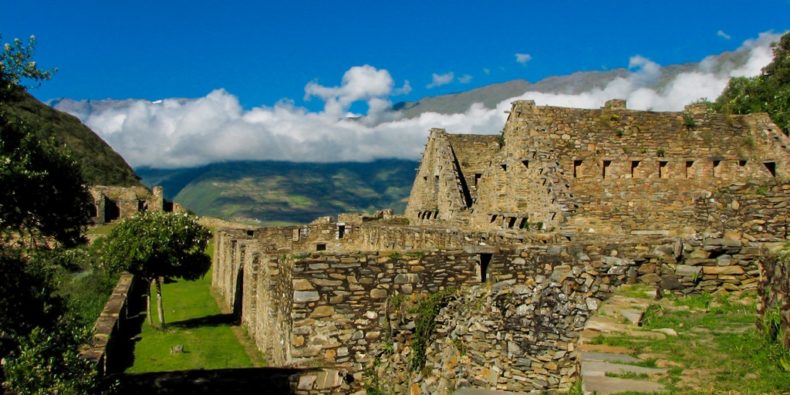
[104,347]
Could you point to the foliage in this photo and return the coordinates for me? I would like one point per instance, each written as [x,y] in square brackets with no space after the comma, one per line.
[27,301]
[48,363]
[156,246]
[43,191]
[16,63]
[426,311]
[689,122]
[769,92]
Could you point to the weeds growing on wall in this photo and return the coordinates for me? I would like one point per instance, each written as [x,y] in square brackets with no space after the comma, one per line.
[426,312]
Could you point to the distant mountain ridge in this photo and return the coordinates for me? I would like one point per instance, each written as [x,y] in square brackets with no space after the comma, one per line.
[575,83]
[272,193]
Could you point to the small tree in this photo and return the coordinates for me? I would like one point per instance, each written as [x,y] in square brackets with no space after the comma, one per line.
[157,246]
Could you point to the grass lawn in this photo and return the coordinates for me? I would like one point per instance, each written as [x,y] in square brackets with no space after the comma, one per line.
[717,349]
[209,339]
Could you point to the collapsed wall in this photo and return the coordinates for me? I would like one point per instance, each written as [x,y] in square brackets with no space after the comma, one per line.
[111,203]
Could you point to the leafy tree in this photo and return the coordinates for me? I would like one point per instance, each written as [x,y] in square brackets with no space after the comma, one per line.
[769,92]
[16,64]
[27,301]
[48,363]
[43,192]
[157,246]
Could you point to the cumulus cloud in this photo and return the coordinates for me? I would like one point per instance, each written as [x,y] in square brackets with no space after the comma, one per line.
[440,79]
[360,83]
[465,79]
[723,35]
[523,58]
[214,128]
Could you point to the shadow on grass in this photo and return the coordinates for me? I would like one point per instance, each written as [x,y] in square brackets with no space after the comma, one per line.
[210,320]
[218,381]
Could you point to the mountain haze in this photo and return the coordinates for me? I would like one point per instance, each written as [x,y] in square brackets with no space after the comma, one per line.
[269,192]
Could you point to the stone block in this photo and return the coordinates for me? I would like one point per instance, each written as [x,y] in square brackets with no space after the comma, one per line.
[322,311]
[722,270]
[306,296]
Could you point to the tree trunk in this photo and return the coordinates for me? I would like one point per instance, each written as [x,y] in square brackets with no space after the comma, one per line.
[148,304]
[160,305]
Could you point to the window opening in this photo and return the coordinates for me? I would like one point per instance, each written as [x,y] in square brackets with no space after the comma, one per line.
[689,170]
[485,260]
[771,166]
[320,247]
[662,169]
[577,164]
[634,166]
[606,165]
[341,231]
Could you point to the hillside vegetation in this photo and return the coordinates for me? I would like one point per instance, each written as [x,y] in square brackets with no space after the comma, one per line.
[269,192]
[100,165]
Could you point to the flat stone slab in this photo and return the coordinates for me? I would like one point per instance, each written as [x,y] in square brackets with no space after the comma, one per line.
[607,357]
[610,385]
[603,348]
[605,326]
[600,368]
[483,391]
[633,316]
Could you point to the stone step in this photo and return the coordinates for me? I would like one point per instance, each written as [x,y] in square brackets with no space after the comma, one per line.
[607,357]
[600,368]
[603,385]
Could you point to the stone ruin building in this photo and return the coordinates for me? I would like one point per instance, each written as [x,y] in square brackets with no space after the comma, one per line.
[111,203]
[553,214]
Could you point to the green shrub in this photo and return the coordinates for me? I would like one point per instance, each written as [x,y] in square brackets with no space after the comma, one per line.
[426,315]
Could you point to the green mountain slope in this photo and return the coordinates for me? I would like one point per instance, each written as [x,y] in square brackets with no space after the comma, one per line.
[100,164]
[286,192]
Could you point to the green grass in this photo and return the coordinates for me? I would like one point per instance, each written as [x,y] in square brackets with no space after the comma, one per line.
[101,230]
[717,344]
[206,345]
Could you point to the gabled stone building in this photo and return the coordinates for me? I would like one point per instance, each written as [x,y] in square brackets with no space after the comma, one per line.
[610,171]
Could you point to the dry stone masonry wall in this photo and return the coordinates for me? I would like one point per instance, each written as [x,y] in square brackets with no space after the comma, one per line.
[534,228]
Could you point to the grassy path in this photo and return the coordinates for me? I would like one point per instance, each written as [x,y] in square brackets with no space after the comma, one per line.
[208,337]
[700,344]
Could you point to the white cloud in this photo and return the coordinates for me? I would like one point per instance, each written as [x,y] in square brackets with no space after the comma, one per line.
[487,71]
[723,35]
[403,90]
[523,58]
[214,128]
[465,79]
[360,83]
[440,79]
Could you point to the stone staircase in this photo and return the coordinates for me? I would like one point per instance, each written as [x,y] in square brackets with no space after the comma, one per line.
[608,369]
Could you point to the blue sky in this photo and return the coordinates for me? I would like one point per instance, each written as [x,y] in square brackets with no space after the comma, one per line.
[210,81]
[265,51]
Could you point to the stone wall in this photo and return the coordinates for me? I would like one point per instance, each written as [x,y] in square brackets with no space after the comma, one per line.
[114,202]
[610,170]
[331,307]
[104,348]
